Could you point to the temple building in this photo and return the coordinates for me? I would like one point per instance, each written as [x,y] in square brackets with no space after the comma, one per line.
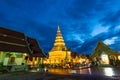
[59,53]
[15,48]
[37,54]
[103,54]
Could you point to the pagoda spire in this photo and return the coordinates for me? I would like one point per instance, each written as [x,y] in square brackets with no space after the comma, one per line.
[59,42]
[58,27]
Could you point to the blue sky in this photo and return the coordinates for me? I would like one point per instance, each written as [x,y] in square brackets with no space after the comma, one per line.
[82,22]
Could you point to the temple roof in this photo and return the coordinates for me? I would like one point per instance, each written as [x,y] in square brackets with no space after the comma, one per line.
[101,47]
[34,46]
[59,42]
[13,41]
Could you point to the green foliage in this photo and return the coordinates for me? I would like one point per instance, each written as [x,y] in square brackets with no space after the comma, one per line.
[117,62]
[8,54]
[1,65]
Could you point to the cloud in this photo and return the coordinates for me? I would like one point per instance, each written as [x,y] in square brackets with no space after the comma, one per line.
[72,44]
[111,38]
[99,29]
[74,37]
[112,18]
[110,41]
[116,44]
[117,28]
[85,9]
[82,22]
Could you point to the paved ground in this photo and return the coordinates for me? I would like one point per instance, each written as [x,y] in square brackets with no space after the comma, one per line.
[51,76]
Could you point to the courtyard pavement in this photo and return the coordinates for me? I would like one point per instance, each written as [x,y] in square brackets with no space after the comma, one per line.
[52,76]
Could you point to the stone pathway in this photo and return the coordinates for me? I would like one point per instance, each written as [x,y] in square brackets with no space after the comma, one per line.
[51,76]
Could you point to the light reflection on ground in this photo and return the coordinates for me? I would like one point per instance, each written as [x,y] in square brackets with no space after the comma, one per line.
[107,71]
[69,71]
[60,71]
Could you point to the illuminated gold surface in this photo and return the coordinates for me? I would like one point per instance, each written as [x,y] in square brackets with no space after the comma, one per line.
[59,52]
[105,59]
[12,58]
[118,57]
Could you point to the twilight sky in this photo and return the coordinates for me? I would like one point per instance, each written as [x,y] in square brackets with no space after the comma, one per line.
[82,22]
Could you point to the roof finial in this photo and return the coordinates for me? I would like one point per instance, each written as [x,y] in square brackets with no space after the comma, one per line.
[58,29]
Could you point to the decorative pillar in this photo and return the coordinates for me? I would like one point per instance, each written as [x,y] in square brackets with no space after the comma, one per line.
[1,56]
[33,61]
[23,58]
[36,60]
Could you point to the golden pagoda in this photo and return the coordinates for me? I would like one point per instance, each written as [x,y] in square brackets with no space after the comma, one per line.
[59,53]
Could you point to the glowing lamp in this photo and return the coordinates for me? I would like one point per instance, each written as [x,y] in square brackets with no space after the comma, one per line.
[105,59]
[119,57]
